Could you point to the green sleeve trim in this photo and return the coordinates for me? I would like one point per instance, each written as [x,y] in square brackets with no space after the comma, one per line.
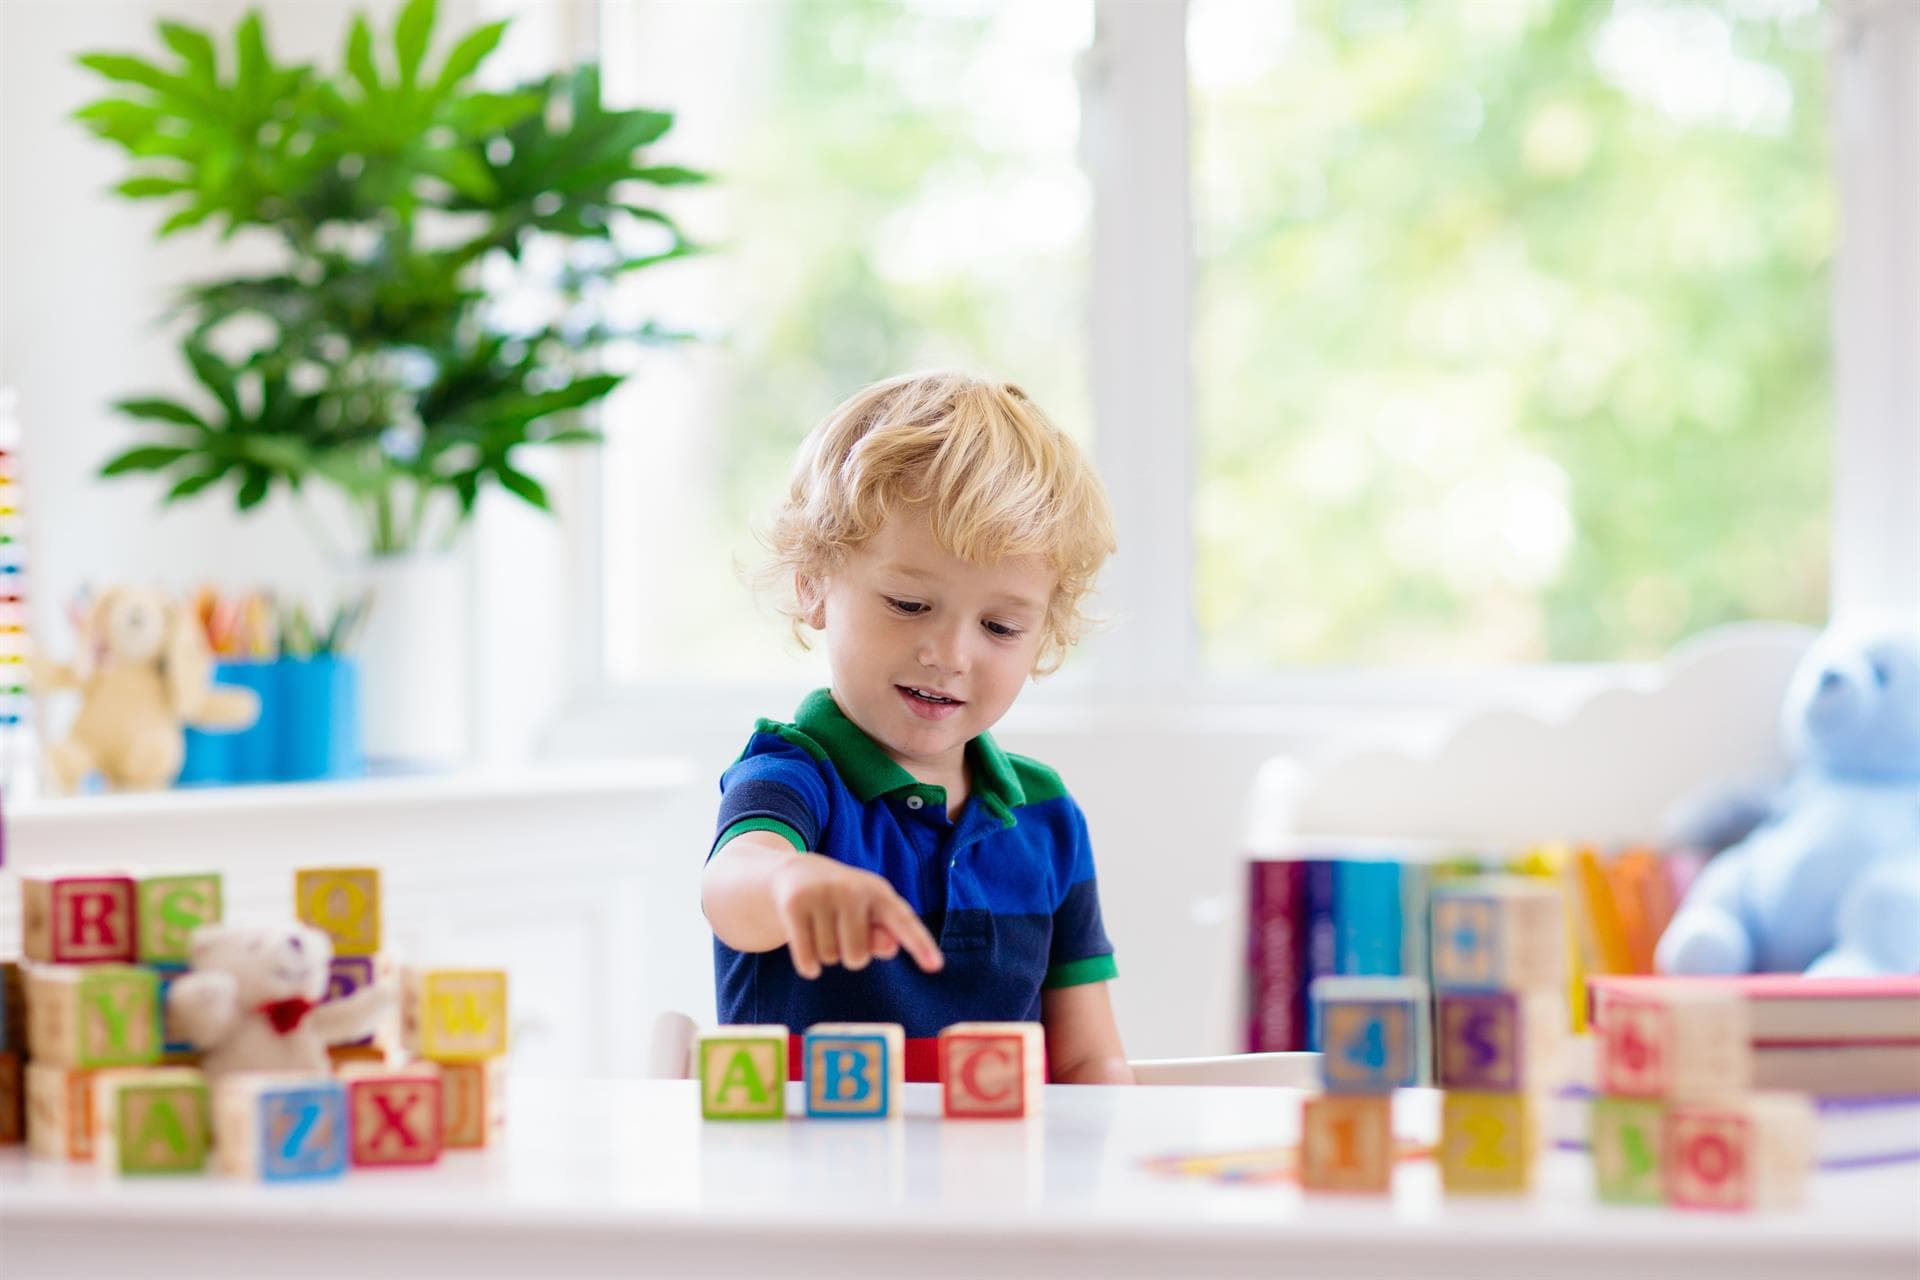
[1077,972]
[774,825]
[1037,780]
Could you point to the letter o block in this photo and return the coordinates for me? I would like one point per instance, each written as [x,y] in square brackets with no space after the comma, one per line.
[78,919]
[992,1070]
[1373,1033]
[1346,1142]
[343,903]
[743,1073]
[855,1070]
[394,1114]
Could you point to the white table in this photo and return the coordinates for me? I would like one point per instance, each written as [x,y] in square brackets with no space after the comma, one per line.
[622,1177]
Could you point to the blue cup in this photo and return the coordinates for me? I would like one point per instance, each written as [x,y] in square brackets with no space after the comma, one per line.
[255,751]
[209,758]
[319,726]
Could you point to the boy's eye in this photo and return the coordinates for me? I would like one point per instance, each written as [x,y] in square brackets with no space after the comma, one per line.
[905,606]
[1001,629]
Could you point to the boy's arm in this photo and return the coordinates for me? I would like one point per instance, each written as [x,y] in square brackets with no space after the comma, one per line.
[1083,1041]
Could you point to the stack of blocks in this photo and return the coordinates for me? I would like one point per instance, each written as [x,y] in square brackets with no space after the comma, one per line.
[1502,1024]
[1674,1122]
[1373,1038]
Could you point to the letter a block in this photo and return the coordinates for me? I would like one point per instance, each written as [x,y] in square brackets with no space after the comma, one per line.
[59,1112]
[1501,1041]
[855,1069]
[1628,1138]
[743,1073]
[153,1120]
[1749,1153]
[1488,1142]
[93,1015]
[1346,1142]
[1497,933]
[992,1070]
[275,1128]
[344,904]
[473,1100]
[77,919]
[1685,1042]
[1373,1033]
[393,1113]
[170,909]
[454,1015]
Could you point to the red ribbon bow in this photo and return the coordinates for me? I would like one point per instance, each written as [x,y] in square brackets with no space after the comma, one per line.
[286,1014]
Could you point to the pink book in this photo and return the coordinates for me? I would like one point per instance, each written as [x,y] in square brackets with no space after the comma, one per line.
[1789,1009]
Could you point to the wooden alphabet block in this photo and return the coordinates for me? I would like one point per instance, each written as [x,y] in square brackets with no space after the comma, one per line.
[1373,1033]
[1628,1137]
[344,904]
[348,974]
[13,1007]
[1749,1152]
[93,1015]
[1498,933]
[1346,1142]
[394,1114]
[855,1069]
[13,1099]
[59,1112]
[78,919]
[277,1128]
[454,1015]
[152,1120]
[1501,1041]
[1683,1042]
[992,1070]
[1488,1141]
[169,909]
[743,1073]
[341,1054]
[473,1098]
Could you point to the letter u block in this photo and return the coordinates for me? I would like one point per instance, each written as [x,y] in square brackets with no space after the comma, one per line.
[93,1015]
[1373,1033]
[992,1070]
[1346,1142]
[343,903]
[169,909]
[1498,933]
[1488,1142]
[1687,1042]
[393,1113]
[1629,1160]
[78,919]
[1751,1152]
[743,1073]
[454,1015]
[1501,1041]
[855,1070]
[152,1120]
[273,1128]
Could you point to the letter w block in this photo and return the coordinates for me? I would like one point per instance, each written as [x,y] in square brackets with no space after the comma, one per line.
[855,1070]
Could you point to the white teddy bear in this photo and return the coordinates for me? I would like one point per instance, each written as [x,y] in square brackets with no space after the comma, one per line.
[252,1000]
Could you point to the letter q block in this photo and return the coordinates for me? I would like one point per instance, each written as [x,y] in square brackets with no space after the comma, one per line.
[343,903]
[855,1070]
[992,1070]
[1499,933]
[1373,1033]
[78,919]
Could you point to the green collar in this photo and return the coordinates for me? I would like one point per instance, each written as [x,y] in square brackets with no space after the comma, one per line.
[869,771]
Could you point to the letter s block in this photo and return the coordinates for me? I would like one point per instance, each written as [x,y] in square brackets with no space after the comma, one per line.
[343,903]
[77,919]
[170,909]
[992,1070]
[855,1070]
[743,1073]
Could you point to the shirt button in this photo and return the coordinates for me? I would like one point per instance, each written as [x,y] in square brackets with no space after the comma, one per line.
[914,802]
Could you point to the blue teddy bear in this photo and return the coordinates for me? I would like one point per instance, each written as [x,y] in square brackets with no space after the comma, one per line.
[1830,883]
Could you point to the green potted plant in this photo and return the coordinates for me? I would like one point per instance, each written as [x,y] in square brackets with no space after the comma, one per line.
[378,359]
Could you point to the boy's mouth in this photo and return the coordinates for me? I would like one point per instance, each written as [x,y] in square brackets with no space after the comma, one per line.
[928,704]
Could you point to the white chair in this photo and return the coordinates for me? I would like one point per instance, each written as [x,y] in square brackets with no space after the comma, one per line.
[670,1057]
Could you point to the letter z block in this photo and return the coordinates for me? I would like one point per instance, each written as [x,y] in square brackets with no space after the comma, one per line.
[1629,1156]
[169,909]
[344,904]
[1684,1042]
[1488,1142]
[78,919]
[93,1015]
[1751,1152]
[855,1070]
[1501,1041]
[454,1015]
[1373,1033]
[743,1073]
[152,1120]
[276,1128]
[1498,933]
[59,1112]
[393,1113]
[992,1070]
[1346,1142]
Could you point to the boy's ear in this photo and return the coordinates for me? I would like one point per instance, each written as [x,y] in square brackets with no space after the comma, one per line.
[812,595]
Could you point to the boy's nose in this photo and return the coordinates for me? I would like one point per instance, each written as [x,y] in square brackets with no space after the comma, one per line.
[945,653]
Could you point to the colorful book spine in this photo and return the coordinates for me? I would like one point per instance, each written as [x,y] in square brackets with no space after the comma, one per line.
[1322,950]
[1276,944]
[1368,933]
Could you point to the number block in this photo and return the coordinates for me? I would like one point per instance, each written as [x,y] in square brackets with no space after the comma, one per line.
[13,1007]
[59,1112]
[1684,1042]
[992,1070]
[1373,1033]
[1488,1142]
[1346,1142]
[473,1100]
[855,1070]
[394,1114]
[1628,1137]
[152,1120]
[743,1073]
[276,1128]
[344,904]
[93,1015]
[454,1015]
[13,1099]
[1751,1152]
[78,919]
[1501,1041]
[1498,933]
[168,910]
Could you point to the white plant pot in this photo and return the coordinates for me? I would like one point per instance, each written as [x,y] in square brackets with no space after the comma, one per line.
[414,656]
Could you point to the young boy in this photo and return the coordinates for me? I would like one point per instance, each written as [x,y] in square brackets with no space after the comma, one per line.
[943,534]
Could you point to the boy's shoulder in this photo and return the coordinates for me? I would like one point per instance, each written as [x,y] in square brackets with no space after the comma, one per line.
[776,735]
[1039,782]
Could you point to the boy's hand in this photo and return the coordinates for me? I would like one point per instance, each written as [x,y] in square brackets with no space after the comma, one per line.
[836,914]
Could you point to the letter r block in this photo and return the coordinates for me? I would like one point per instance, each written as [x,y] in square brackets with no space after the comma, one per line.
[78,919]
[855,1070]
[743,1073]
[343,903]
[992,1070]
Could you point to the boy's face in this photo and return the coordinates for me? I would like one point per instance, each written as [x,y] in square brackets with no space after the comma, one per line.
[928,650]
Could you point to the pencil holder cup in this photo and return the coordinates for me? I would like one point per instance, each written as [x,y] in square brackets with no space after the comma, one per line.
[242,755]
[320,723]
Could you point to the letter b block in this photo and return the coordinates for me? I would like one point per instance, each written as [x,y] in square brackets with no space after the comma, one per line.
[278,1129]
[743,1073]
[855,1070]
[455,1015]
[1346,1142]
[344,904]
[992,1070]
[77,919]
[153,1120]
[393,1113]
[1373,1033]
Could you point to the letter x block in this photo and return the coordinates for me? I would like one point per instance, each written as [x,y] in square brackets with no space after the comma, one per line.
[59,1112]
[393,1113]
[1373,1033]
[743,1073]
[276,1128]
[344,904]
[473,1099]
[1488,1141]
[454,1015]
[152,1120]
[77,919]
[1501,1041]
[992,1070]
[1499,933]
[1682,1042]
[855,1070]
[1346,1142]
[1628,1138]
[169,909]
[93,1015]
[1751,1152]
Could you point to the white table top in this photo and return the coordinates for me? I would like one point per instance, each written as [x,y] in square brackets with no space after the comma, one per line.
[623,1177]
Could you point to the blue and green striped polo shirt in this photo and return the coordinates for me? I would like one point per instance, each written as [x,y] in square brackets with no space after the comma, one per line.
[1007,889]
